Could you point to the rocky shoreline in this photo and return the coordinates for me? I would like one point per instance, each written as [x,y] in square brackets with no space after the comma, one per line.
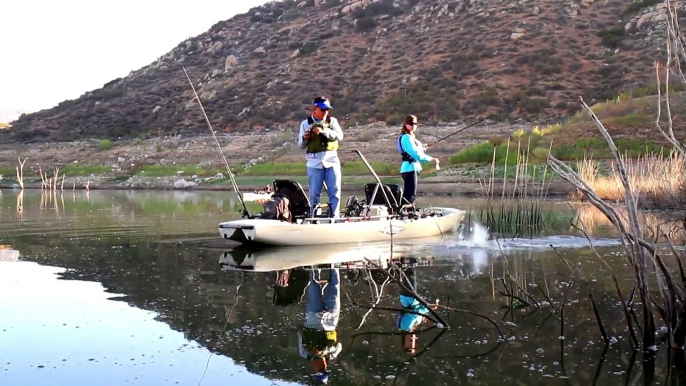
[469,188]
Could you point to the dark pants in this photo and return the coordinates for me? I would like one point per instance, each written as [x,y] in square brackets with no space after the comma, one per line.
[409,187]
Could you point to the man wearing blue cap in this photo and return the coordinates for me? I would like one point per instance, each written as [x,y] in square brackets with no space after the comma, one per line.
[318,340]
[320,134]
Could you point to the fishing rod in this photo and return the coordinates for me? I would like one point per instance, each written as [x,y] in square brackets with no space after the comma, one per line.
[457,132]
[228,168]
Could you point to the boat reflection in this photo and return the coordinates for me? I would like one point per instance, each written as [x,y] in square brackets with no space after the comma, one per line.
[472,261]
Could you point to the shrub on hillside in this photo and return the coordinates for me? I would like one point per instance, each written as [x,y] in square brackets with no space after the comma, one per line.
[611,37]
[105,144]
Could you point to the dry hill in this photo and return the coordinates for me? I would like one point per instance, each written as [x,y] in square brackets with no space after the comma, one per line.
[378,60]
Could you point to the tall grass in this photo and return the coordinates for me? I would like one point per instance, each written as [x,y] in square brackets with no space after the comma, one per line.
[657,180]
[524,216]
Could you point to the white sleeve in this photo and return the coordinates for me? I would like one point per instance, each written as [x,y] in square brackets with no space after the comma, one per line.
[336,131]
[303,127]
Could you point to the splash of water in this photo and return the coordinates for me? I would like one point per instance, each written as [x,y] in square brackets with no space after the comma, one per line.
[477,236]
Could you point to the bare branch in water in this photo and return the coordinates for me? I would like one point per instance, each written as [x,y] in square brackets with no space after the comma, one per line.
[625,308]
[590,294]
[381,308]
[546,297]
[410,290]
[500,332]
[20,173]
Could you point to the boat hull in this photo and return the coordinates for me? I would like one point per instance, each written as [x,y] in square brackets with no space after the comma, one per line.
[280,233]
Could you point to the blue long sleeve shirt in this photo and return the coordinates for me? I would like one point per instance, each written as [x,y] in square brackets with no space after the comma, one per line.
[408,322]
[415,149]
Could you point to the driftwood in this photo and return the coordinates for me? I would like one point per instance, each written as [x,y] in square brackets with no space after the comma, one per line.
[20,173]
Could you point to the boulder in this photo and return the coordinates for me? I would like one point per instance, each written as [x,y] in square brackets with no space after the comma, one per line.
[183,184]
[516,36]
[353,6]
[216,46]
[231,62]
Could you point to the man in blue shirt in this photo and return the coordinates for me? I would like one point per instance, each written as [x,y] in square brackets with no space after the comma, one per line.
[320,135]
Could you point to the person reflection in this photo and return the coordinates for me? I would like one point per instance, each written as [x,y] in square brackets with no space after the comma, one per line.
[406,321]
[289,286]
[318,340]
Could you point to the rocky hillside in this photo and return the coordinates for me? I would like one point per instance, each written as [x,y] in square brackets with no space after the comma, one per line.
[377,60]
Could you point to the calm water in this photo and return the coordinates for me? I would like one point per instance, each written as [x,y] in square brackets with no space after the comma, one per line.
[114,288]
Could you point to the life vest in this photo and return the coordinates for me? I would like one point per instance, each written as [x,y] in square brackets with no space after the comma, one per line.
[319,143]
[405,155]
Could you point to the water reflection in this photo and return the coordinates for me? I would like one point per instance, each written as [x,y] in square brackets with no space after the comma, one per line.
[264,312]
[318,339]
[413,313]
[146,260]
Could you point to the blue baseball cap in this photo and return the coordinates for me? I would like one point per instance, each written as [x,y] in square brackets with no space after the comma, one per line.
[322,377]
[323,103]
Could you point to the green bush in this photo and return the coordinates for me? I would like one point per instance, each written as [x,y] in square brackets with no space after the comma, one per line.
[540,153]
[611,37]
[480,153]
[105,144]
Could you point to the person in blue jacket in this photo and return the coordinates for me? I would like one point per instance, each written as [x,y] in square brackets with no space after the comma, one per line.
[409,322]
[412,152]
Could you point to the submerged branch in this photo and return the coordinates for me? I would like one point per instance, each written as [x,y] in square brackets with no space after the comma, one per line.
[421,300]
[500,332]
[625,308]
[590,294]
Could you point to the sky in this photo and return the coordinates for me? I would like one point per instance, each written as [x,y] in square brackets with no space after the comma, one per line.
[54,50]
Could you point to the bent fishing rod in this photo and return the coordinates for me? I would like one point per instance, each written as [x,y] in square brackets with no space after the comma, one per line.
[457,132]
[228,168]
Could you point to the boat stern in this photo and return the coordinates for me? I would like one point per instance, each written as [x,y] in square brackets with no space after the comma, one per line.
[237,231]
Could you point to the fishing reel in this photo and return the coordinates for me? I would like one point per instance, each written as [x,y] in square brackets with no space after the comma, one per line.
[323,125]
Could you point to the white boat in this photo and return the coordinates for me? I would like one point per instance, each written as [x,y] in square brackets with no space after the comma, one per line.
[379,222]
[256,196]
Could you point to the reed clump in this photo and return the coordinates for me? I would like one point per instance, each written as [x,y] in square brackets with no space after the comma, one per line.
[657,181]
[518,211]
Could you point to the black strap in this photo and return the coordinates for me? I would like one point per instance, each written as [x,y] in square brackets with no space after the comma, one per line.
[405,155]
